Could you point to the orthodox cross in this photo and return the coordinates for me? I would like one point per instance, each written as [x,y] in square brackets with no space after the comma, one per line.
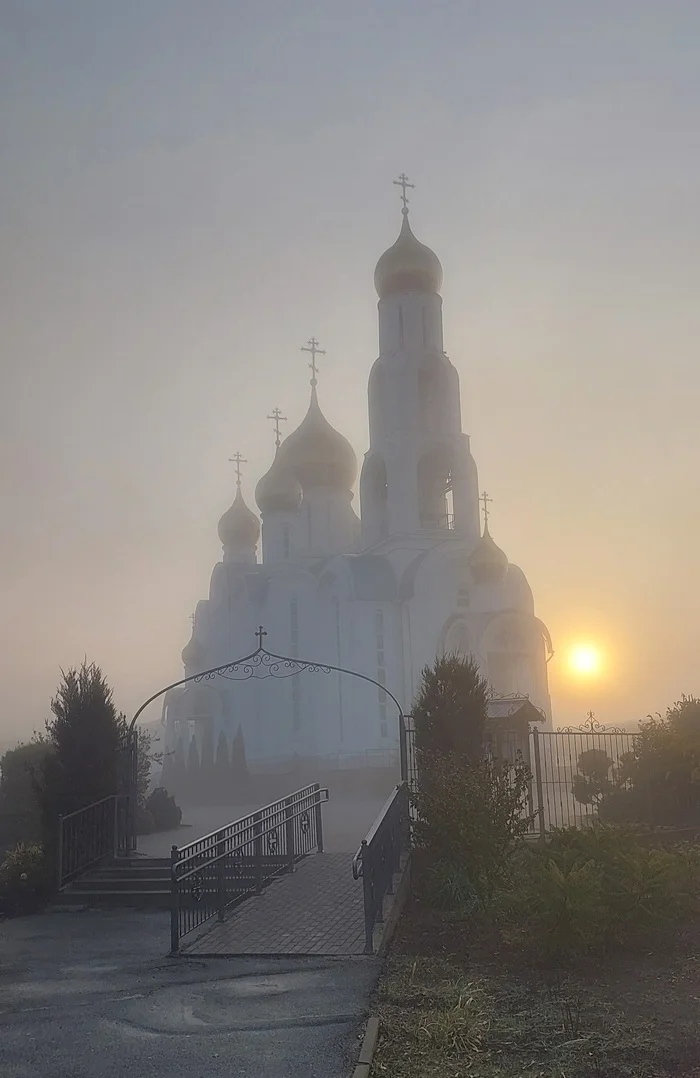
[403,183]
[261,634]
[485,499]
[312,347]
[237,459]
[277,418]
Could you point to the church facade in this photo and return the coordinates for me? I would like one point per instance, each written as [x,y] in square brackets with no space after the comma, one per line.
[380,592]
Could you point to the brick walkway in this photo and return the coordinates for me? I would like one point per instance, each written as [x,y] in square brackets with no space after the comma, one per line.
[317,910]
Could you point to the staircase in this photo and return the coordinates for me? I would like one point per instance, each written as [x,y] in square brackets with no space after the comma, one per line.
[136,882]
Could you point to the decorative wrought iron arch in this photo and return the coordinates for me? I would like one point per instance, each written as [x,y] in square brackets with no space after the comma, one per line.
[262,664]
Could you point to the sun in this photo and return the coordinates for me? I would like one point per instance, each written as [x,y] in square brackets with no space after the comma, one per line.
[584,660]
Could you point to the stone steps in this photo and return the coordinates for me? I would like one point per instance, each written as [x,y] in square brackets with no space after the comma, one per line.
[135,882]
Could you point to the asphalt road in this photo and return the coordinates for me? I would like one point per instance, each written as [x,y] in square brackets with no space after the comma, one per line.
[85,995]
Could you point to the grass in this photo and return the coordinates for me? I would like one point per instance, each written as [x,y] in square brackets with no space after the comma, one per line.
[458,1014]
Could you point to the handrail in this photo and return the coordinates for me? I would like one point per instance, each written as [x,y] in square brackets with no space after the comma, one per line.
[215,872]
[85,808]
[379,858]
[89,835]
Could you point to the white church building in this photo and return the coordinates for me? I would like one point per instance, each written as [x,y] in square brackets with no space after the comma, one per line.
[380,590]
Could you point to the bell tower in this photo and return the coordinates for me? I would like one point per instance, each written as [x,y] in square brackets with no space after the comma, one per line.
[418,475]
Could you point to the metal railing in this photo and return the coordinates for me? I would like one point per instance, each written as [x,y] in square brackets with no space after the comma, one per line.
[574,771]
[216,872]
[379,858]
[90,835]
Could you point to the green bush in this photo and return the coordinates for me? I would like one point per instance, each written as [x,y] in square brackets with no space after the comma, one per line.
[163,810]
[24,883]
[469,821]
[589,891]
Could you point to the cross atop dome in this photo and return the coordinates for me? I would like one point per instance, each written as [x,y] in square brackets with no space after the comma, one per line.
[486,500]
[277,418]
[403,183]
[312,347]
[237,459]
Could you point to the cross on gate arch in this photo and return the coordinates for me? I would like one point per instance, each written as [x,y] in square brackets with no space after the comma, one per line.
[262,664]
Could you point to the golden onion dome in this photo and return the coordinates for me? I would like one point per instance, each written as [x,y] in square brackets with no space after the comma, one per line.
[278,490]
[193,654]
[316,454]
[239,527]
[488,561]
[407,266]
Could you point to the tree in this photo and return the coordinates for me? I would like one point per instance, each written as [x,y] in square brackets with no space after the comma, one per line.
[222,768]
[470,807]
[593,780]
[84,737]
[193,770]
[239,763]
[20,816]
[658,783]
[206,767]
[449,711]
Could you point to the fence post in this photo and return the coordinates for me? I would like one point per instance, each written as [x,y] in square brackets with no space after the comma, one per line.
[319,819]
[174,902]
[59,853]
[538,780]
[115,837]
[289,833]
[403,752]
[258,852]
[367,894]
[221,877]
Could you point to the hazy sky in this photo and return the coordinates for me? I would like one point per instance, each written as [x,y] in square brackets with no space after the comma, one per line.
[190,190]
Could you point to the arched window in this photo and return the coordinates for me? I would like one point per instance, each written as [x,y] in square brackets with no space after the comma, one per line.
[375,493]
[434,485]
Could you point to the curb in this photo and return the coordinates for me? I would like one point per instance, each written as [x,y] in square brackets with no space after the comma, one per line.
[369,1043]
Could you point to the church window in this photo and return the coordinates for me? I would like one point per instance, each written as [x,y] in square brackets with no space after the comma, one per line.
[400,324]
[294,652]
[425,332]
[285,542]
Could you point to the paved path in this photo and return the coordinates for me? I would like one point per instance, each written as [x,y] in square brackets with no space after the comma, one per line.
[93,995]
[317,910]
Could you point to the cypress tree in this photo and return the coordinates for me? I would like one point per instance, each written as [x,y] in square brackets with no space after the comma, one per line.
[222,768]
[193,769]
[449,711]
[239,764]
[84,739]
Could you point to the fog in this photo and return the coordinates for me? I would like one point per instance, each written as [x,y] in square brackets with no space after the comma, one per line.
[189,191]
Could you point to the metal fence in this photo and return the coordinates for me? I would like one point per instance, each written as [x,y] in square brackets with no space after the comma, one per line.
[379,858]
[90,835]
[572,771]
[216,872]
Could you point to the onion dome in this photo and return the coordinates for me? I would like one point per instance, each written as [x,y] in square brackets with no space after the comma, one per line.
[487,561]
[408,266]
[193,654]
[239,528]
[278,490]
[316,454]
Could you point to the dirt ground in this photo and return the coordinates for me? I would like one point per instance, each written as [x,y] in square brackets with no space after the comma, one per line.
[455,1002]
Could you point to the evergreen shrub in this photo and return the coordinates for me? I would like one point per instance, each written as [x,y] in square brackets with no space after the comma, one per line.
[24,881]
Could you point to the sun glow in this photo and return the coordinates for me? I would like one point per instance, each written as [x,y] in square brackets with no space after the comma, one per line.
[584,660]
